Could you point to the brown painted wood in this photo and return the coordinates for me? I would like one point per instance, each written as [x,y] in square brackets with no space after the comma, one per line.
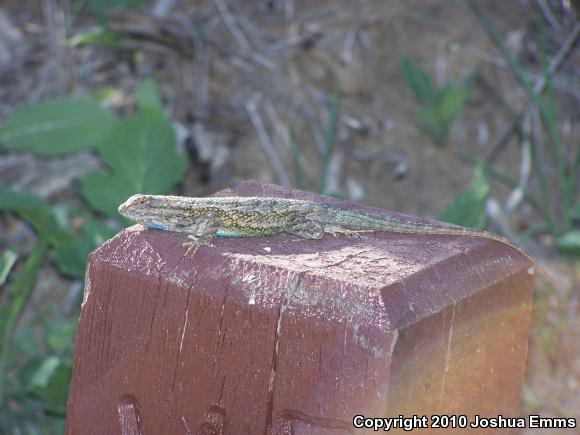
[279,335]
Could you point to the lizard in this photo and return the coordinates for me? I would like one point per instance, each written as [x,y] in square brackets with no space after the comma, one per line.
[239,216]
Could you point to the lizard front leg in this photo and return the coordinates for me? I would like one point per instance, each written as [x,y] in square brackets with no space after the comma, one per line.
[200,232]
[305,228]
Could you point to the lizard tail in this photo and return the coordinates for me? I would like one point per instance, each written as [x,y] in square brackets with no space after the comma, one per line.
[360,220]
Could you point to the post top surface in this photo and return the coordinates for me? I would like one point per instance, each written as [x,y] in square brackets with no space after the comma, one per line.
[384,280]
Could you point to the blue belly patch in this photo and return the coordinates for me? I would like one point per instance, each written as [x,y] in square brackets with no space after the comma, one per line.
[155,226]
[222,233]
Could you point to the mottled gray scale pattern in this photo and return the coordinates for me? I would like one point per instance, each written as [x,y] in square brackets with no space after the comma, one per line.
[254,216]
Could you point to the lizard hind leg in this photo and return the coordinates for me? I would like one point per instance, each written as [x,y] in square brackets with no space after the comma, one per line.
[337,229]
[306,229]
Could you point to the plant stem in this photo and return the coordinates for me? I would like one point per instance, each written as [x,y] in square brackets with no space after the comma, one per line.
[329,135]
[504,179]
[18,294]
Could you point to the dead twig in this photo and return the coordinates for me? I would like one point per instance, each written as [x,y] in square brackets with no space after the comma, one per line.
[232,26]
[161,8]
[266,142]
[538,89]
[547,11]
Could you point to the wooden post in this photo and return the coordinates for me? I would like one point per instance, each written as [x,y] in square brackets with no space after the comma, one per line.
[280,335]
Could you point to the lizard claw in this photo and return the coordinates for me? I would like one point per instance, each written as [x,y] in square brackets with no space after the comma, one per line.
[195,242]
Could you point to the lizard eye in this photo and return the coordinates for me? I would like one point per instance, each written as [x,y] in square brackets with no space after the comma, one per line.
[137,200]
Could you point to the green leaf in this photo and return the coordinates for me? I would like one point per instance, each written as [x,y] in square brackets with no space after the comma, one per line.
[96,35]
[100,8]
[58,126]
[18,292]
[26,341]
[547,105]
[29,368]
[429,121]
[143,158]
[468,208]
[7,260]
[60,335]
[148,97]
[71,257]
[36,212]
[70,253]
[569,243]
[434,117]
[438,107]
[575,212]
[106,93]
[417,80]
[50,383]
[453,99]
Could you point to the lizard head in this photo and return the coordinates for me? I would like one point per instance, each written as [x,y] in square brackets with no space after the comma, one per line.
[133,206]
[144,209]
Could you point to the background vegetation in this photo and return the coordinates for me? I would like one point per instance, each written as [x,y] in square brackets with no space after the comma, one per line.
[466,111]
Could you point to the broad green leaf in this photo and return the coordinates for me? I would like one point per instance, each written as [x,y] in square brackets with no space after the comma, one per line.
[29,368]
[106,191]
[58,126]
[142,157]
[468,208]
[71,257]
[148,96]
[50,383]
[60,335]
[35,211]
[26,341]
[70,253]
[569,243]
[7,260]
